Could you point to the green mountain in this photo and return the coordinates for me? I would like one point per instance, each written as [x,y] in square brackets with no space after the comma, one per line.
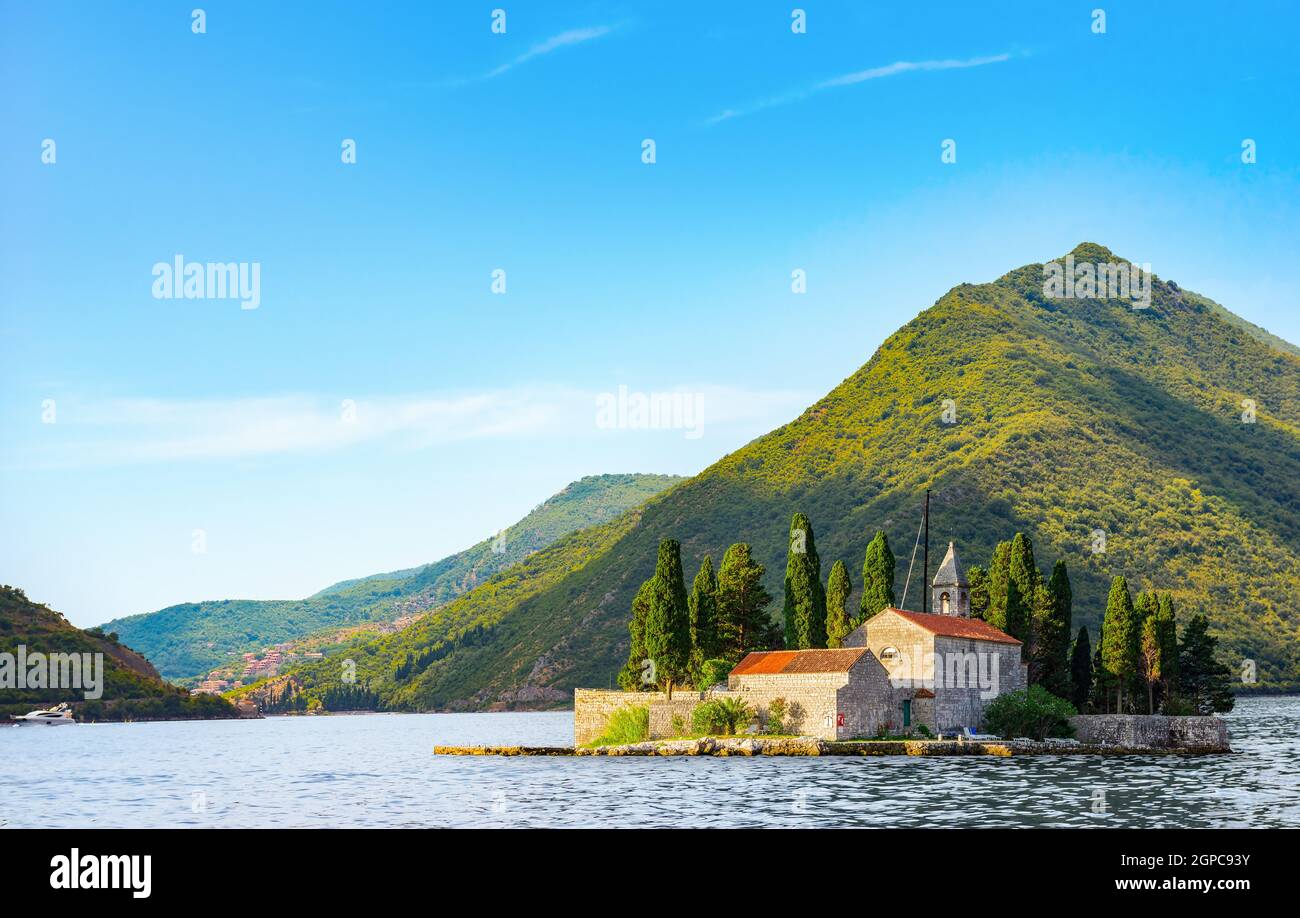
[190,639]
[1072,420]
[131,687]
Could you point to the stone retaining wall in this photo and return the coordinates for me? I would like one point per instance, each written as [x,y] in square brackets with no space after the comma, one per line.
[592,708]
[1151,730]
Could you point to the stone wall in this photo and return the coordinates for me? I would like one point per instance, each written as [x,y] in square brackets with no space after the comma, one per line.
[811,699]
[593,707]
[1152,731]
[959,699]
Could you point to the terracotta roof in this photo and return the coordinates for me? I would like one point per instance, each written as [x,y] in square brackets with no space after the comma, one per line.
[770,662]
[923,693]
[955,626]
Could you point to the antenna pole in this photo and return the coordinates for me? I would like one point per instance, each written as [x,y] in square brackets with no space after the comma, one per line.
[925,558]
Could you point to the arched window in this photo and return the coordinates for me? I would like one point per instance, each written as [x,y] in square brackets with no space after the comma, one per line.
[943,603]
[889,655]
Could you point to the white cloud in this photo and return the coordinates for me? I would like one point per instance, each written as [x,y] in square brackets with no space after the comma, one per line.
[859,76]
[131,431]
[554,43]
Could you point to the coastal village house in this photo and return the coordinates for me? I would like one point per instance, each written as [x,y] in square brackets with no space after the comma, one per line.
[898,671]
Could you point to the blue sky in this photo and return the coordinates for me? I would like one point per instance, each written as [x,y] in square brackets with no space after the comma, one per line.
[522,151]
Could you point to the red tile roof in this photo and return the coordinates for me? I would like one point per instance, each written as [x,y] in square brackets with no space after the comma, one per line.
[955,626]
[770,662]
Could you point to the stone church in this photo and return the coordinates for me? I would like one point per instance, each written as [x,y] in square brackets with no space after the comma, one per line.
[897,671]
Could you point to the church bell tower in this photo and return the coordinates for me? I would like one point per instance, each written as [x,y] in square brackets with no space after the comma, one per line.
[950,592]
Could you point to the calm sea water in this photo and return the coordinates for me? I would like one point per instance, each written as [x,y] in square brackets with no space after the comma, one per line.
[378,770]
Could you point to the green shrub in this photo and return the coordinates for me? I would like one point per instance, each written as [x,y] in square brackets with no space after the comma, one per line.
[626,725]
[776,712]
[1034,712]
[1177,706]
[923,730]
[712,672]
[722,716]
[678,725]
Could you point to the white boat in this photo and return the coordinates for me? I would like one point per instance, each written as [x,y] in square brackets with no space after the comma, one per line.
[54,717]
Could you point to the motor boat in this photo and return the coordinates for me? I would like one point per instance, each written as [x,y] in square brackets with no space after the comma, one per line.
[54,717]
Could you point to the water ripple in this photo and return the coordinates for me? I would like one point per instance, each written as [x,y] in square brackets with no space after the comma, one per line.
[380,771]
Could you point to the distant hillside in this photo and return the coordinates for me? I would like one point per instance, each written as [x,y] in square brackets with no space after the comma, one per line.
[132,688]
[189,639]
[1071,416]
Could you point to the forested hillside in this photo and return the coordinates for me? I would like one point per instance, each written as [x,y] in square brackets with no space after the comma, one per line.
[1159,443]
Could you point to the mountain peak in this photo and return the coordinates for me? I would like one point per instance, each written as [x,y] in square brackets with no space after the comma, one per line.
[1092,251]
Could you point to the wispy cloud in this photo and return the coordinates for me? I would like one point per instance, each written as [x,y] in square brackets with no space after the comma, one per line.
[117,432]
[554,43]
[859,76]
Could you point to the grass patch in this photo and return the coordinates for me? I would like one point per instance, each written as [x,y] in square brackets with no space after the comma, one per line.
[626,725]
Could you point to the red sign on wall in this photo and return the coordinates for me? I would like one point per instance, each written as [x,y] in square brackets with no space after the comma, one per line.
[839,719]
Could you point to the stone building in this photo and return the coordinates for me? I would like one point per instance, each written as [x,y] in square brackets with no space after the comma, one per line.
[939,670]
[897,671]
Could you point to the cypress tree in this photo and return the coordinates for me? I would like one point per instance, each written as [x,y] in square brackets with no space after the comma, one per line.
[743,622]
[1149,660]
[1017,612]
[1081,671]
[1022,569]
[979,591]
[1203,680]
[1168,632]
[1145,607]
[877,578]
[1119,645]
[668,619]
[703,605]
[1052,625]
[838,587]
[1099,699]
[630,676]
[805,598]
[998,573]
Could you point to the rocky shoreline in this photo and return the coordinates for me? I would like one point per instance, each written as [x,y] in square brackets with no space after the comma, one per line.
[748,746]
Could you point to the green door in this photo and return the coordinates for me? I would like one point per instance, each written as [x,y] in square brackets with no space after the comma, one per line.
[907,713]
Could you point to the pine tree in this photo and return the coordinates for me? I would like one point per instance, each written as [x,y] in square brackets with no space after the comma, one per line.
[630,678]
[998,574]
[877,578]
[668,619]
[1052,625]
[1081,671]
[979,591]
[838,587]
[805,598]
[1119,646]
[1202,679]
[743,622]
[703,605]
